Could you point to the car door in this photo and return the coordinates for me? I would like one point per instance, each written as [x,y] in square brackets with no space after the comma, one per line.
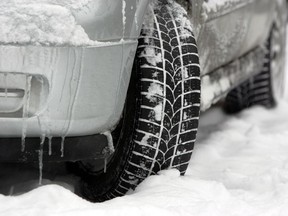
[226,30]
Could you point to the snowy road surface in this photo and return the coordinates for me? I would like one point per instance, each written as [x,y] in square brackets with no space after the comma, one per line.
[239,167]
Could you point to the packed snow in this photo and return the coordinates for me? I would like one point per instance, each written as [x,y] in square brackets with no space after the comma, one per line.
[42,22]
[154,92]
[73,4]
[239,167]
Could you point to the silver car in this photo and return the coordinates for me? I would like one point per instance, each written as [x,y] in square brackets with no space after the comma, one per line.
[114,86]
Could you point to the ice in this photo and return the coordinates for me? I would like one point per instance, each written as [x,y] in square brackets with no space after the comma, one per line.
[25,113]
[105,164]
[136,21]
[136,16]
[123,17]
[110,141]
[11,191]
[74,82]
[43,122]
[50,145]
[5,85]
[40,158]
[62,146]
[108,150]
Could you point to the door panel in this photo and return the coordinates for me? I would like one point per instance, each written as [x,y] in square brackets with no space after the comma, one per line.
[228,31]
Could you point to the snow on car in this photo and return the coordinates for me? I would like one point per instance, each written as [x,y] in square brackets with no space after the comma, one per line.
[73,89]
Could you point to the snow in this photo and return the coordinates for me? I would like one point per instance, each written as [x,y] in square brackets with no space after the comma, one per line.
[45,22]
[239,167]
[154,90]
[151,56]
[214,5]
[110,141]
[72,4]
[158,110]
[123,17]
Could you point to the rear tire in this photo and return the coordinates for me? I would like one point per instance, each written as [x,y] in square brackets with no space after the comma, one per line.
[267,87]
[160,120]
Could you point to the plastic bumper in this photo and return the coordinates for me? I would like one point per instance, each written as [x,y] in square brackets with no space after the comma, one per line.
[79,148]
[63,91]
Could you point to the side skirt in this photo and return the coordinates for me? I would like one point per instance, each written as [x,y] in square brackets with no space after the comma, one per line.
[219,82]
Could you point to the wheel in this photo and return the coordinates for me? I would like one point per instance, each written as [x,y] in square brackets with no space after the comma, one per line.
[267,87]
[160,120]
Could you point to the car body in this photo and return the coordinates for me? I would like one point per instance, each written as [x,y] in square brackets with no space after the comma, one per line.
[100,93]
[73,93]
[229,30]
[63,90]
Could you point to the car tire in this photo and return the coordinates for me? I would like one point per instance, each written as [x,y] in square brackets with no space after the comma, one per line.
[160,119]
[267,87]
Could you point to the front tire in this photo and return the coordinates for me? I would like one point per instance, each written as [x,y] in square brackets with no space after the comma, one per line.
[160,120]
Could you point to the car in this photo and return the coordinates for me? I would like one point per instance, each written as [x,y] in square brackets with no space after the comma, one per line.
[115,88]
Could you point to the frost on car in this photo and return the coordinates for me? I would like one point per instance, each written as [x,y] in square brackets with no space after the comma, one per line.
[114,86]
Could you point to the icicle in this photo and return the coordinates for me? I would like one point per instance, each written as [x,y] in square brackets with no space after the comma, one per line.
[110,141]
[25,113]
[136,16]
[50,145]
[5,85]
[105,164]
[123,17]
[43,121]
[40,157]
[108,150]
[62,146]
[136,21]
[75,79]
[23,142]
[11,191]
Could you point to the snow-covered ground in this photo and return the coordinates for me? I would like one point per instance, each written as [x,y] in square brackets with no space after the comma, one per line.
[239,167]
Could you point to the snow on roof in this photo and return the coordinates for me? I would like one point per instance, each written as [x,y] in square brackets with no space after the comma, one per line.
[46,22]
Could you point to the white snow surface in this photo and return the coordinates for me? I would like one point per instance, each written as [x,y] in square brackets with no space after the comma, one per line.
[239,167]
[45,22]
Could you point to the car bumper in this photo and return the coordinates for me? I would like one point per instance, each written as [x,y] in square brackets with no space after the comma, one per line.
[63,91]
[76,148]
